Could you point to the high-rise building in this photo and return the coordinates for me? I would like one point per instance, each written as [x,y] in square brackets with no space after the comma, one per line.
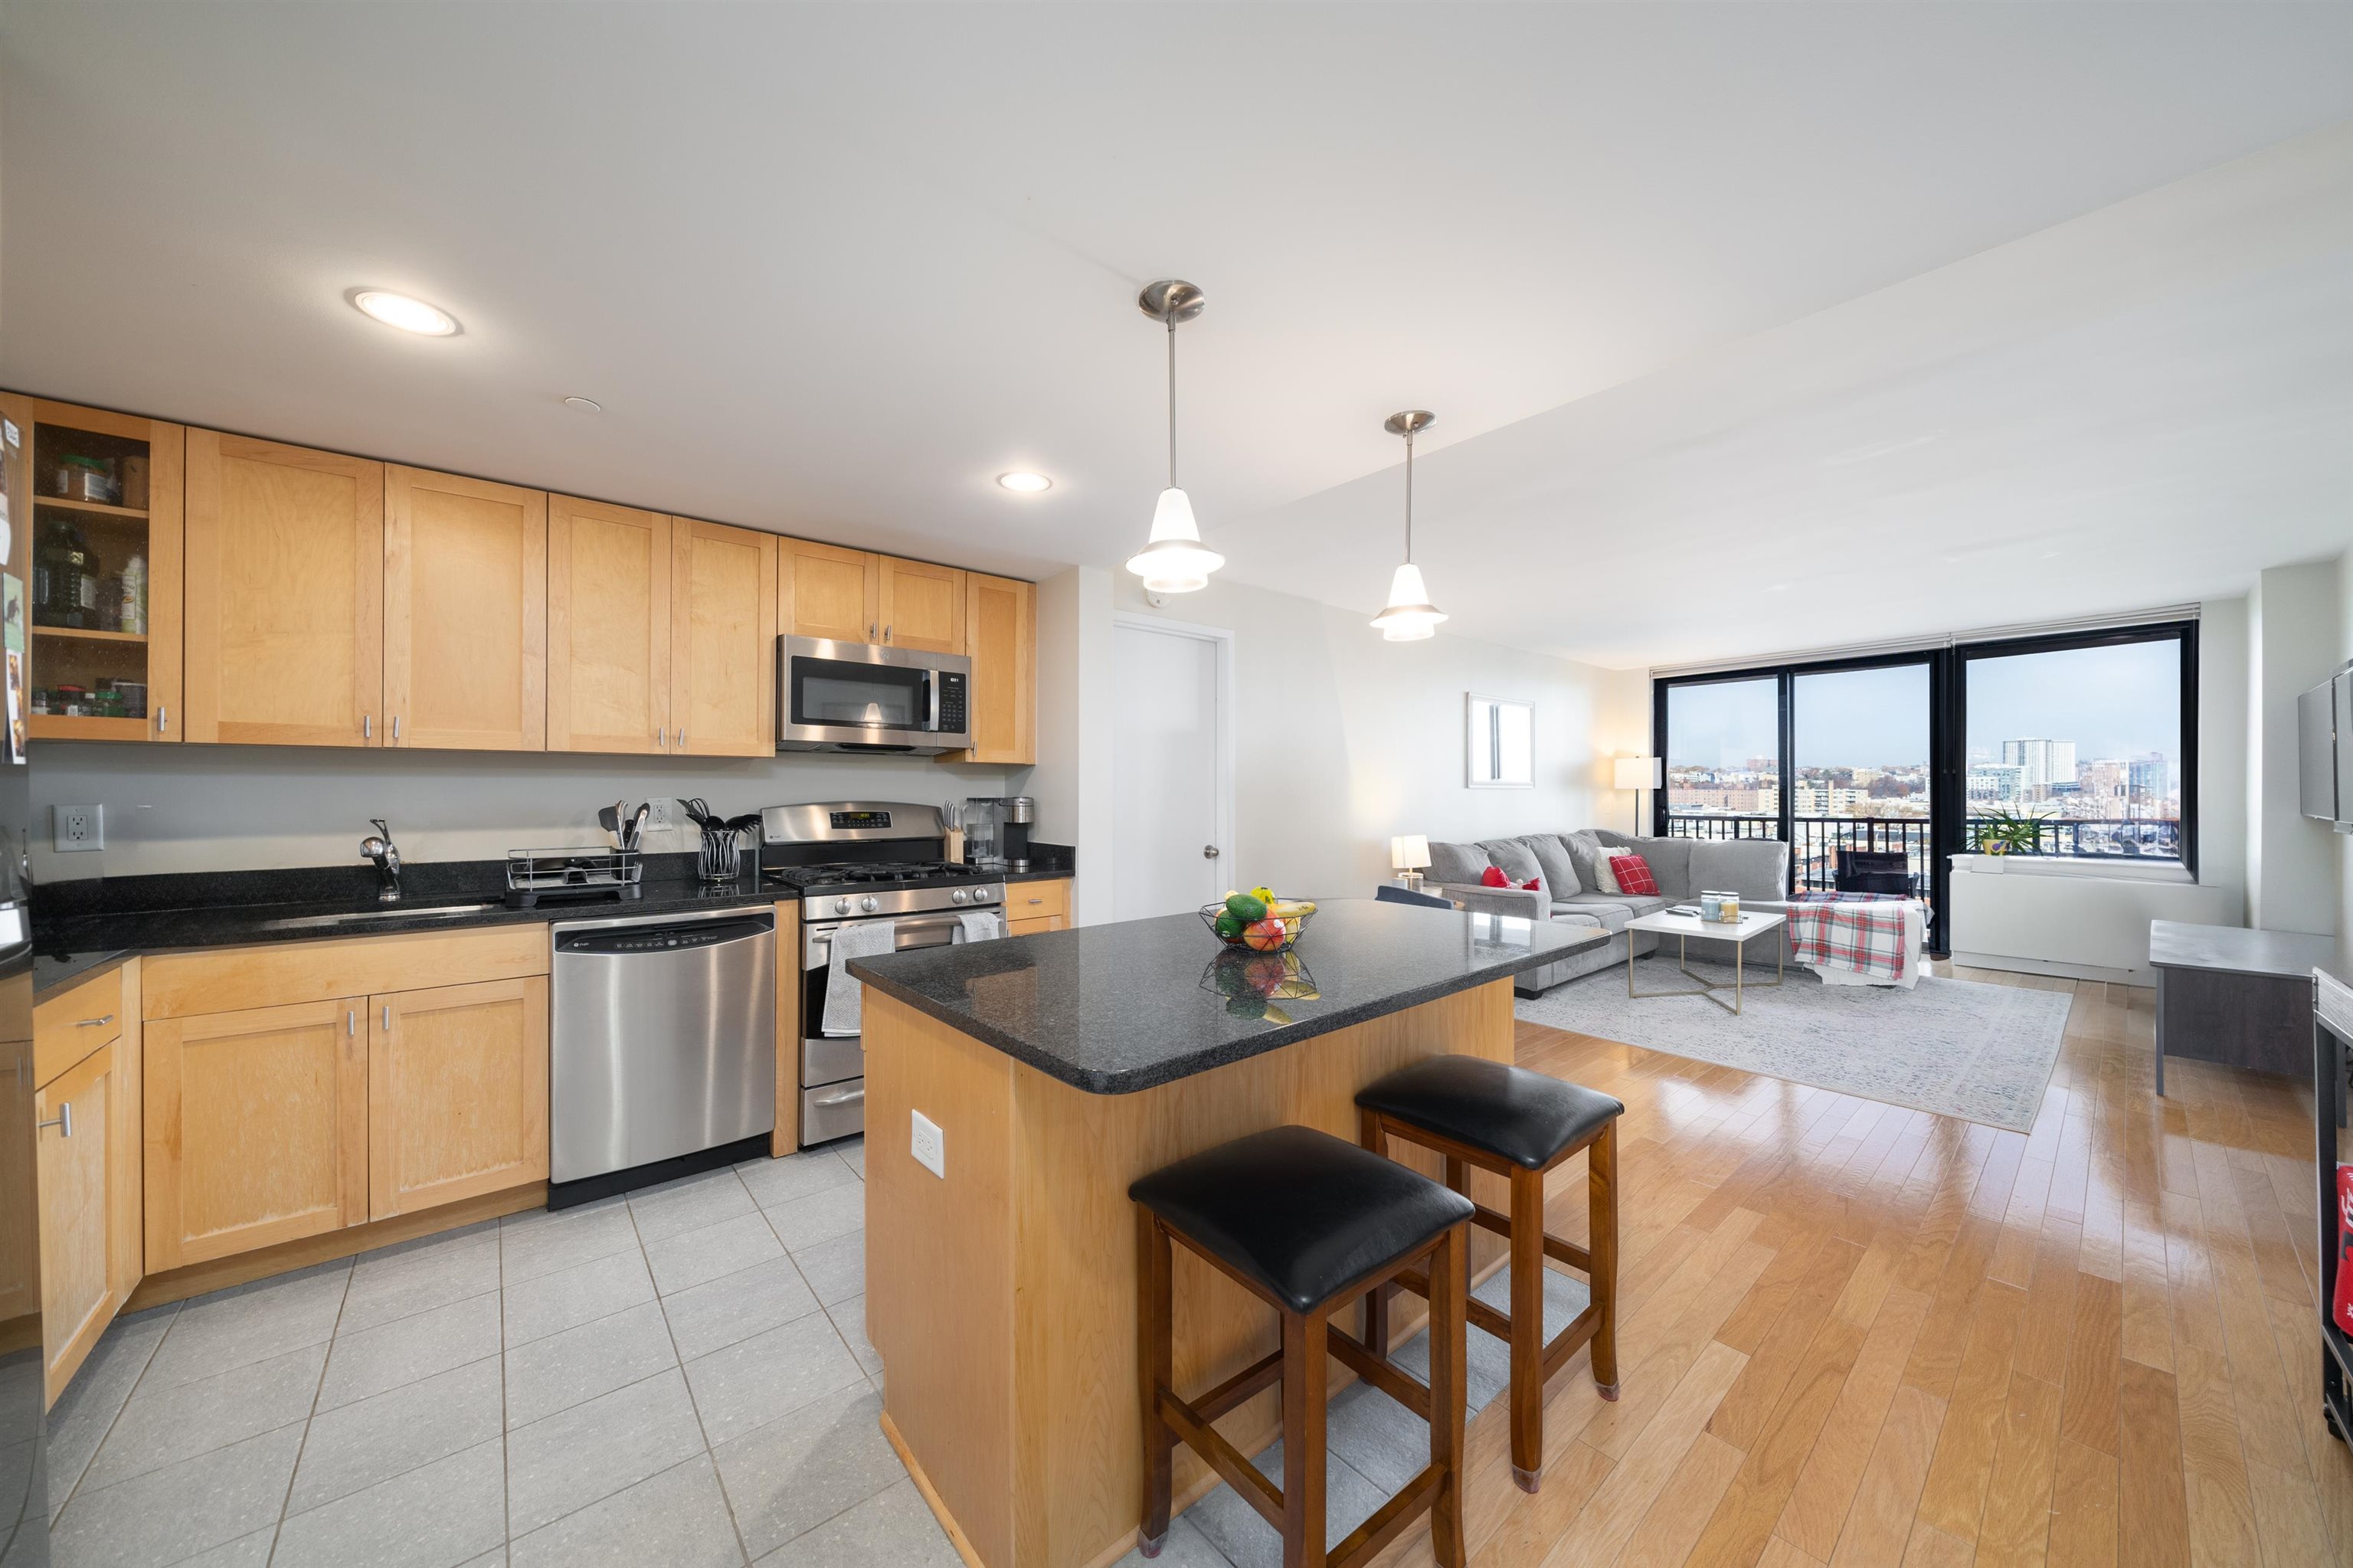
[2041,763]
[2146,786]
[1997,784]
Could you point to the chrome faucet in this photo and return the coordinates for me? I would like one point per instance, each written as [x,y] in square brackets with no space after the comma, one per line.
[379,847]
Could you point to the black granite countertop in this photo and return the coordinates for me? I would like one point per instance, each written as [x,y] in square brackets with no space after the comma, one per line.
[1113,1009]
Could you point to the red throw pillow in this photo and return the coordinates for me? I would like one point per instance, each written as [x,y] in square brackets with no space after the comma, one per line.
[1493,877]
[1533,885]
[1633,874]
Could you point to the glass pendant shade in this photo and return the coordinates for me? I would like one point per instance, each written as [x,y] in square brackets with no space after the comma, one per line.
[1410,616]
[1175,561]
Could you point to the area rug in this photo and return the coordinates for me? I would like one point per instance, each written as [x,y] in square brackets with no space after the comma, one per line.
[1373,1446]
[1960,1048]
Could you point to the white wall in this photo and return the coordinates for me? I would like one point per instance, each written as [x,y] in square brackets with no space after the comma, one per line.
[2344,841]
[2292,645]
[215,808]
[1073,780]
[1343,739]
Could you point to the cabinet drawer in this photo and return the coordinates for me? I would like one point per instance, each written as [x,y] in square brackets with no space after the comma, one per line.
[182,985]
[70,1025]
[1036,900]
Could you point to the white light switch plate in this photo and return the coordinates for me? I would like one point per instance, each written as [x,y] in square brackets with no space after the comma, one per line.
[81,827]
[928,1144]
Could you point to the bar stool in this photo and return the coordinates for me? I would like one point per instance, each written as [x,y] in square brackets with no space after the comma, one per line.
[1305,1222]
[1519,1125]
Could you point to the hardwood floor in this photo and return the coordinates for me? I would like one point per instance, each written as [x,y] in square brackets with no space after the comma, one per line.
[1855,1335]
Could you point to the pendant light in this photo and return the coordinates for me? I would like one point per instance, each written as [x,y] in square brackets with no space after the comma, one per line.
[1175,560]
[1410,616]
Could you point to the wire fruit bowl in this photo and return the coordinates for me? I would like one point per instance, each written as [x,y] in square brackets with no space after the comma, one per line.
[1252,936]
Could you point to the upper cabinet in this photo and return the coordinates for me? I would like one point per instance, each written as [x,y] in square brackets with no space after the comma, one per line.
[723,640]
[609,628]
[465,612]
[922,605]
[104,495]
[824,590]
[1000,627]
[285,594]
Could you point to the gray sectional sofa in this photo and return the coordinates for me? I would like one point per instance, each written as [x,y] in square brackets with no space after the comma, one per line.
[1757,869]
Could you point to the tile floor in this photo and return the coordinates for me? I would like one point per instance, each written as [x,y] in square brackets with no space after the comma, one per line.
[680,1377]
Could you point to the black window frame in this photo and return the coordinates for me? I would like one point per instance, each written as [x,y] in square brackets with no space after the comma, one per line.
[1947,735]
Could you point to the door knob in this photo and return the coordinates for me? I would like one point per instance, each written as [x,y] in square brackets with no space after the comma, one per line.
[1208,851]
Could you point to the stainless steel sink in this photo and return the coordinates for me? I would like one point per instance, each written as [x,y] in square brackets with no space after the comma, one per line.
[369,917]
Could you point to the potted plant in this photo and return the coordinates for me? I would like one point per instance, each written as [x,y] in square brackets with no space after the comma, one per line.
[1998,835]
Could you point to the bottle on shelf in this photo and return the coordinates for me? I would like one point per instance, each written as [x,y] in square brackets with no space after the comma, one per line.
[135,595]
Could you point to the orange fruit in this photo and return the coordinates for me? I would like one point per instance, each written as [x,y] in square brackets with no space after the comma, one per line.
[1265,936]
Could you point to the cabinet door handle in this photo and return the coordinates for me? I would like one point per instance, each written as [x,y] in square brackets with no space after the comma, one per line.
[387,1018]
[681,742]
[351,1021]
[886,634]
[368,726]
[395,729]
[163,718]
[93,1022]
[64,1122]
[870,631]
[1037,901]
[658,733]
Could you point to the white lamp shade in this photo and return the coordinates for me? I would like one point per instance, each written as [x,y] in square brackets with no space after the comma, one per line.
[1175,561]
[1410,852]
[1640,772]
[1410,616]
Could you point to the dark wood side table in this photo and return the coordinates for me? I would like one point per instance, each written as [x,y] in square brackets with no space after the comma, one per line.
[2238,997]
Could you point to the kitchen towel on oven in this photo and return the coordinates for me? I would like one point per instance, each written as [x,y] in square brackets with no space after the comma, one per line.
[845,997]
[980,925]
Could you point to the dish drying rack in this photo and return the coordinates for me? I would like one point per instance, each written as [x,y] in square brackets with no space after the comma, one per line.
[575,873]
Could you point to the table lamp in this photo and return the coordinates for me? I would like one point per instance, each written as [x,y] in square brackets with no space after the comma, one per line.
[1637,774]
[1408,853]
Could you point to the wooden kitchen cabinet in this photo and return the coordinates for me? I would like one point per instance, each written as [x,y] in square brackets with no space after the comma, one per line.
[99,491]
[465,612]
[457,1093]
[609,627]
[88,1127]
[922,605]
[256,1128]
[1034,906]
[824,590]
[284,622]
[723,640]
[1000,626]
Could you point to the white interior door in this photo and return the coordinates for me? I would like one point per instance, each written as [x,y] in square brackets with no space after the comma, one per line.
[1166,773]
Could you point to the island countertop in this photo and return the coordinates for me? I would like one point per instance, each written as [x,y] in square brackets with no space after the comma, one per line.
[1114,1009]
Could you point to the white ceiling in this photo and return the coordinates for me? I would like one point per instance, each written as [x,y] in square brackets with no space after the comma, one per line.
[1746,326]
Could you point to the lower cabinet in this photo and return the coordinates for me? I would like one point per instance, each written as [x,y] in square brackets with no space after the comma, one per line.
[88,1154]
[256,1128]
[275,1123]
[457,1098]
[1034,906]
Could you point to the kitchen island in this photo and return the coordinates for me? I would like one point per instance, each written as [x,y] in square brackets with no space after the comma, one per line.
[1001,1291]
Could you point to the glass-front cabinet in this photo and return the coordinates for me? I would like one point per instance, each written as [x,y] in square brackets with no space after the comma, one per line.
[104,497]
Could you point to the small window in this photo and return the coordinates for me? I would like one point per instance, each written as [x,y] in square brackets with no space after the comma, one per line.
[1501,745]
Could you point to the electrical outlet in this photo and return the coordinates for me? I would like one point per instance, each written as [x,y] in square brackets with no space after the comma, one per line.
[928,1144]
[662,814]
[81,827]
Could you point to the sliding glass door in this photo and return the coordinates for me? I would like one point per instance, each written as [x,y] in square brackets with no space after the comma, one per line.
[1862,778]
[1723,758]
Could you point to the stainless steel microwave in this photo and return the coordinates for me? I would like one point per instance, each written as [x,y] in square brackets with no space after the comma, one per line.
[867,697]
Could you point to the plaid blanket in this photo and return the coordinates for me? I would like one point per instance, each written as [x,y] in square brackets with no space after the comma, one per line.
[1862,932]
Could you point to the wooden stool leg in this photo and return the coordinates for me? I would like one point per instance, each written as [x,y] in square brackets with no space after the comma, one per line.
[1306,1377]
[1449,1268]
[1602,1210]
[1528,1328]
[1156,1337]
[1377,1300]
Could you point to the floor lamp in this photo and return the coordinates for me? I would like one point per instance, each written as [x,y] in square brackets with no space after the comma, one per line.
[1637,774]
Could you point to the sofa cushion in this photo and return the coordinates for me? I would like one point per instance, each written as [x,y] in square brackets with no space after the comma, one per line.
[1670,863]
[1611,912]
[1564,914]
[1456,863]
[1560,878]
[1517,862]
[1754,868]
[1583,847]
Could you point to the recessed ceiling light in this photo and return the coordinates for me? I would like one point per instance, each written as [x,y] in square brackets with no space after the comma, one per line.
[407,315]
[585,405]
[1027,483]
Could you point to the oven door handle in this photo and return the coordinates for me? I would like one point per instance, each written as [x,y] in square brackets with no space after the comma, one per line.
[930,931]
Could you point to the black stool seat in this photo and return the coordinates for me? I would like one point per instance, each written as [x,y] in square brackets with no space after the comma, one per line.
[1299,1212]
[1523,1117]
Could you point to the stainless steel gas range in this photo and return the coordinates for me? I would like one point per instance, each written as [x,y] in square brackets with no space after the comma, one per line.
[854,862]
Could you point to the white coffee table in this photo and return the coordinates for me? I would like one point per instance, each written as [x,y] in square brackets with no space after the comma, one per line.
[1683,928]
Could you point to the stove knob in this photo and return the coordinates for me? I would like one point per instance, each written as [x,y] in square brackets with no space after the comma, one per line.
[983,895]
[868,904]
[841,905]
[959,896]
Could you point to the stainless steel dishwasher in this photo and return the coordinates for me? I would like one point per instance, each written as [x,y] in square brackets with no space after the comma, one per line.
[663,1055]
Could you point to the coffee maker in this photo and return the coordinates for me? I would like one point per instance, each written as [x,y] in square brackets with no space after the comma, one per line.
[996,832]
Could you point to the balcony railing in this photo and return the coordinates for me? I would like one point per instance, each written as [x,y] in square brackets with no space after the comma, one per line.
[1814,853]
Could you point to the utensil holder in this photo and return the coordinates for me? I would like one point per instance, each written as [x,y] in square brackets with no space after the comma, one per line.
[722,858]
